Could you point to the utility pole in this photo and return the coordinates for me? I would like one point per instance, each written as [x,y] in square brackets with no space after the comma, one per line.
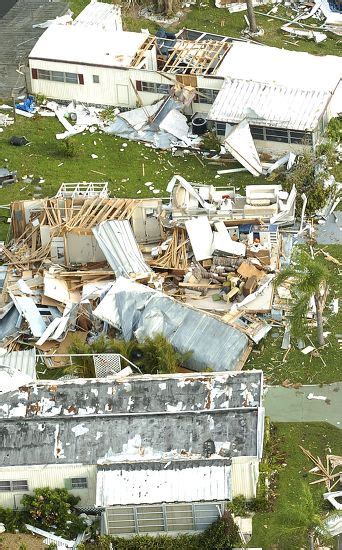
[13,106]
[251,17]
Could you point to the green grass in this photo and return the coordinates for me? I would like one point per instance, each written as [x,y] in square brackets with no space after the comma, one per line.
[44,157]
[318,438]
[205,16]
[303,369]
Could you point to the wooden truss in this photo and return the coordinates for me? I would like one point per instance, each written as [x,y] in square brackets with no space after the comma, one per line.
[186,56]
[62,215]
[329,473]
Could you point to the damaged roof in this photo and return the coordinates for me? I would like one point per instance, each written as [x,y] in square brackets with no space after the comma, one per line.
[139,311]
[134,419]
[269,104]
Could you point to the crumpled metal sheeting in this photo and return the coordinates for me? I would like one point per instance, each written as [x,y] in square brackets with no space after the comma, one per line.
[22,361]
[139,311]
[117,242]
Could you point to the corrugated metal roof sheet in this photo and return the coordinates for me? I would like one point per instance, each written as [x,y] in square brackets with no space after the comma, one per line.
[101,16]
[117,242]
[22,361]
[153,483]
[266,104]
[140,311]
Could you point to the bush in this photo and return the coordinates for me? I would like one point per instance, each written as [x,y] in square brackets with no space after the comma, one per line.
[68,148]
[153,356]
[308,180]
[53,510]
[210,142]
[221,535]
[13,520]
[334,130]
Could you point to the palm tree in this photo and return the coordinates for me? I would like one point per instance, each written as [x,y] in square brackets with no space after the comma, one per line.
[308,277]
[251,17]
[303,520]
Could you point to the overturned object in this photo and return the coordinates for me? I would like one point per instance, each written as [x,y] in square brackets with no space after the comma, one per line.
[139,311]
[18,141]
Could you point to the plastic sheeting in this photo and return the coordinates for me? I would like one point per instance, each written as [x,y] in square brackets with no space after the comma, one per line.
[139,311]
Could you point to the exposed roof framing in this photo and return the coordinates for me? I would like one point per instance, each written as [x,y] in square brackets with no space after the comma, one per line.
[185,56]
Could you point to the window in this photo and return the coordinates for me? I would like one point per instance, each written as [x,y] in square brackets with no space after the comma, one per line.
[71,78]
[96,79]
[277,134]
[300,137]
[57,76]
[153,87]
[5,486]
[206,96]
[257,132]
[79,483]
[220,128]
[20,485]
[162,517]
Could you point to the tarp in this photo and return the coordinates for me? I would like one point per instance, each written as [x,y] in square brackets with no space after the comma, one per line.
[139,311]
[241,145]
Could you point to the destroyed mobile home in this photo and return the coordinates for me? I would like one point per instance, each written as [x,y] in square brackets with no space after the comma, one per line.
[83,263]
[133,448]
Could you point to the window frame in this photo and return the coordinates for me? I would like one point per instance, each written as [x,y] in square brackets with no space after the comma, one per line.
[96,79]
[12,488]
[76,483]
[160,88]
[208,97]
[221,128]
[58,76]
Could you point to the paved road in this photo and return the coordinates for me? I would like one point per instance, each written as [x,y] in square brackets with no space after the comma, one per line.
[6,5]
[293,405]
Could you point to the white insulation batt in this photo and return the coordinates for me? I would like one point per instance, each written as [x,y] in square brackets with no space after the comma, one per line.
[148,486]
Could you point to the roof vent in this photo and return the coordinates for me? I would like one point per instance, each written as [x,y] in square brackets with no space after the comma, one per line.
[208,448]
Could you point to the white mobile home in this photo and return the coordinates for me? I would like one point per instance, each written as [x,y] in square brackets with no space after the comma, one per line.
[148,450]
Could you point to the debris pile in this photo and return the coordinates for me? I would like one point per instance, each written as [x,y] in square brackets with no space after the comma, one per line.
[196,267]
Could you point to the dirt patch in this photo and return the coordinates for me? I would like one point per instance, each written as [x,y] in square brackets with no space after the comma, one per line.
[9,541]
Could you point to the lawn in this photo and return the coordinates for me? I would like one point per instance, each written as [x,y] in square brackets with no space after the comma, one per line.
[320,439]
[205,16]
[127,169]
[278,365]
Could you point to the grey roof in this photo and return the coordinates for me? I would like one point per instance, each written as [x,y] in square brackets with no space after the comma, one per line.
[139,311]
[149,418]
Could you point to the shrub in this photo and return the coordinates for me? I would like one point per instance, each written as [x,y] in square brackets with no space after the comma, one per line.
[154,355]
[53,510]
[307,179]
[68,148]
[210,142]
[13,520]
[334,130]
[223,534]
